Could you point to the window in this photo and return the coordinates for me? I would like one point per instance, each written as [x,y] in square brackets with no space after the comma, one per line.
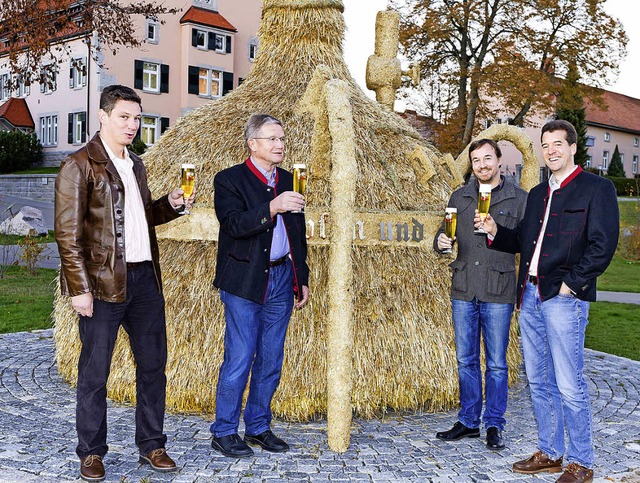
[22,88]
[49,130]
[78,73]
[207,82]
[634,165]
[622,158]
[151,29]
[151,76]
[587,163]
[77,133]
[253,49]
[636,142]
[203,39]
[4,87]
[607,137]
[48,79]
[605,159]
[149,129]
[590,141]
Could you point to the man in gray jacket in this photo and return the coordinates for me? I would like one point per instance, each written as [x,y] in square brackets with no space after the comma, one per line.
[483,292]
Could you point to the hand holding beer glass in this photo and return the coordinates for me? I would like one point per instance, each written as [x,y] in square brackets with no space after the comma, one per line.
[299,181]
[187,184]
[484,201]
[450,222]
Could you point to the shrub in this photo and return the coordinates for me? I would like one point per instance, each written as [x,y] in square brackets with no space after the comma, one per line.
[138,146]
[18,151]
[625,186]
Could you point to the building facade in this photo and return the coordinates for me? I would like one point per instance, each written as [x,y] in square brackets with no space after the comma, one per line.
[196,56]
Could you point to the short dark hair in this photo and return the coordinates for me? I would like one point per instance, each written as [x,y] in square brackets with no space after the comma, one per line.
[561,125]
[255,123]
[112,94]
[478,143]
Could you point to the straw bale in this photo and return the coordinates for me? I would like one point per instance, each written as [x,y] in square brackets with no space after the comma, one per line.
[403,355]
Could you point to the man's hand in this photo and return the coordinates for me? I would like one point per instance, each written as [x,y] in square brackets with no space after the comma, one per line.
[565,290]
[489,225]
[304,299]
[83,304]
[176,198]
[287,201]
[444,242]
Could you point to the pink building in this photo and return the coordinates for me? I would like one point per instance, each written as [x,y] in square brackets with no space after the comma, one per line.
[197,55]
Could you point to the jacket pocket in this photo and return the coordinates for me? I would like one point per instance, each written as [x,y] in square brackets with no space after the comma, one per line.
[459,281]
[241,251]
[501,278]
[505,218]
[572,221]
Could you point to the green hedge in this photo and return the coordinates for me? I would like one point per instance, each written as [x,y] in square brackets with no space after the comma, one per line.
[18,151]
[626,186]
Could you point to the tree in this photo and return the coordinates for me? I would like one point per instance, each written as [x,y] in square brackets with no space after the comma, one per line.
[482,57]
[616,168]
[570,107]
[34,32]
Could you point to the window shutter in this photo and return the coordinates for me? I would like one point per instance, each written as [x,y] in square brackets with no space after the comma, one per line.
[83,122]
[227,82]
[71,82]
[228,44]
[193,80]
[211,41]
[194,37]
[164,124]
[70,133]
[137,74]
[164,78]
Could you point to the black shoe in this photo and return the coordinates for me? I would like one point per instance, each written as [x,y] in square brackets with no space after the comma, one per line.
[458,431]
[268,441]
[494,438]
[231,446]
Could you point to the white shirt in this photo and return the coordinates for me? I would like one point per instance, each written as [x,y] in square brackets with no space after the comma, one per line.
[136,230]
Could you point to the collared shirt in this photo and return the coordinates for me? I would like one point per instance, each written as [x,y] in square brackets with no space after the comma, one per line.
[554,184]
[136,230]
[280,240]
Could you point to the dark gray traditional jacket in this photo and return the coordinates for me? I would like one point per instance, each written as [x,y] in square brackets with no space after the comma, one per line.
[478,271]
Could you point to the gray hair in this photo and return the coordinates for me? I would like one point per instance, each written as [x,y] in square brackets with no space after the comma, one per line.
[255,123]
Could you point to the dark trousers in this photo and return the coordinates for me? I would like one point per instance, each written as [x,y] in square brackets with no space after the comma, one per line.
[142,316]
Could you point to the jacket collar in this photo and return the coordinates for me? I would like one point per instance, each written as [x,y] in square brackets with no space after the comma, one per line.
[506,190]
[98,154]
[571,177]
[257,172]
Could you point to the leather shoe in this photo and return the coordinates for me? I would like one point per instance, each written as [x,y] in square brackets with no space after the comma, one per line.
[231,446]
[159,460]
[538,463]
[268,441]
[458,431]
[575,473]
[91,468]
[494,438]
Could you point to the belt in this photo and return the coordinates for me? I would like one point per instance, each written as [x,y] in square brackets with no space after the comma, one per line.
[136,265]
[279,261]
[533,279]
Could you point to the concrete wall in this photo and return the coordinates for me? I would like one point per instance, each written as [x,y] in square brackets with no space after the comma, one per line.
[32,186]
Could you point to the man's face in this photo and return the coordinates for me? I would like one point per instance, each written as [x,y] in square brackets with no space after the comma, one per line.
[558,153]
[119,127]
[486,165]
[268,152]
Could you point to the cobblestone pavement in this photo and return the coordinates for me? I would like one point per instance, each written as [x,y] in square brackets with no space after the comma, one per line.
[37,435]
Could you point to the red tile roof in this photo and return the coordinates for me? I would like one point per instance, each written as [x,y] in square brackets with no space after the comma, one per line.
[621,112]
[208,18]
[16,111]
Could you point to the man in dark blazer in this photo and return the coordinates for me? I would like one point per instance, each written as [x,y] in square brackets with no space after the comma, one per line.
[261,264]
[567,238]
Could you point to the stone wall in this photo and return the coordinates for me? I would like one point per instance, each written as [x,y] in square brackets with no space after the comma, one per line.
[32,186]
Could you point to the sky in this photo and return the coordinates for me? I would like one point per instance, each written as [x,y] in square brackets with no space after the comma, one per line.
[360,17]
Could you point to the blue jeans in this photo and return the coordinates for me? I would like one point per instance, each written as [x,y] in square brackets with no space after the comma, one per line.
[493,320]
[253,341]
[553,345]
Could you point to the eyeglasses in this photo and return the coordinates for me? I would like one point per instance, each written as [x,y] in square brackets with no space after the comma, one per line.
[273,139]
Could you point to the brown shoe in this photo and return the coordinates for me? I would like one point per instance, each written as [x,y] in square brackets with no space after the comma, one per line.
[159,460]
[91,468]
[538,463]
[574,473]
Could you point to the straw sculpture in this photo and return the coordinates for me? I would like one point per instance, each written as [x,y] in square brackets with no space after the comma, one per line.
[399,342]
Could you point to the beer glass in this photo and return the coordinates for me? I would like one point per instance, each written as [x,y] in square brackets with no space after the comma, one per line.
[484,201]
[187,183]
[299,181]
[450,222]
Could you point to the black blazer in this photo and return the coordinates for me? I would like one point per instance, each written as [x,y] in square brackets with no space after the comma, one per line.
[580,238]
[242,198]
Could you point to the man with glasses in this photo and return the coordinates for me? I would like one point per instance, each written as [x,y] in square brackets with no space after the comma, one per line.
[261,264]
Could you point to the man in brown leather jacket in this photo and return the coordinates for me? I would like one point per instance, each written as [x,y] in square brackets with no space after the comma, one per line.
[110,269]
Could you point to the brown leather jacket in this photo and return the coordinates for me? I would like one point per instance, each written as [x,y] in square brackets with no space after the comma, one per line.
[89,223]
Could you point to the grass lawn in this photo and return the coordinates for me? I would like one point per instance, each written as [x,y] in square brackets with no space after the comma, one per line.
[43,170]
[629,212]
[615,329]
[621,276]
[15,239]
[26,301]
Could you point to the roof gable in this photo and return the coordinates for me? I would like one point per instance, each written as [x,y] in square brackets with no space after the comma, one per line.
[16,111]
[208,18]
